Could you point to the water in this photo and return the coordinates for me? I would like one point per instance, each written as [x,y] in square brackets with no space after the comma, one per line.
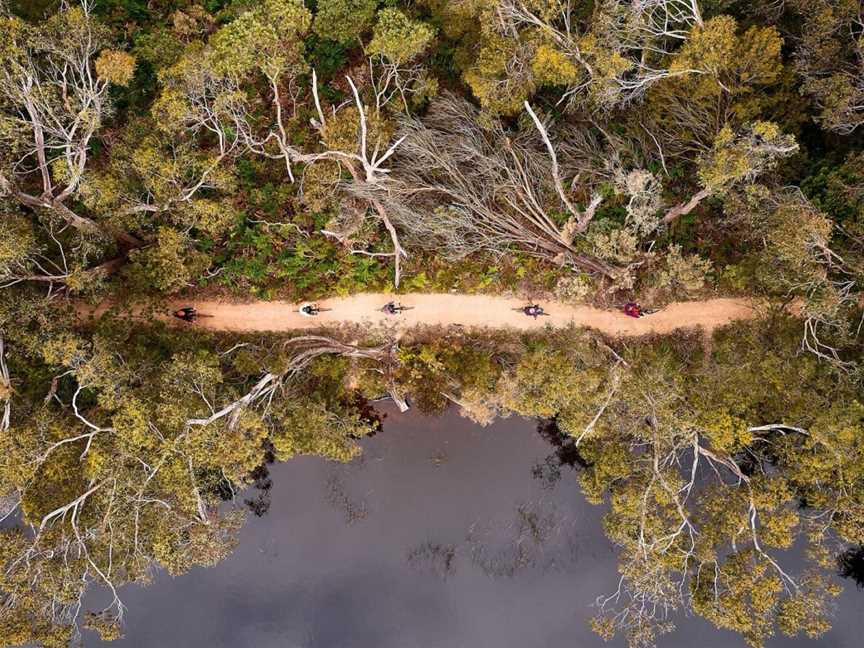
[441,536]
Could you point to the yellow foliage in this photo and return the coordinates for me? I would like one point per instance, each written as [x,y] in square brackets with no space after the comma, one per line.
[342,131]
[268,38]
[743,155]
[725,432]
[723,60]
[398,38]
[553,68]
[115,67]
[500,89]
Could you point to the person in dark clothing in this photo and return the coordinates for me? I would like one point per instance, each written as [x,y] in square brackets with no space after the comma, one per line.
[310,310]
[187,314]
[534,310]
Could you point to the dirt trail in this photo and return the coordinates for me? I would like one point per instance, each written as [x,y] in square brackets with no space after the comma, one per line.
[472,311]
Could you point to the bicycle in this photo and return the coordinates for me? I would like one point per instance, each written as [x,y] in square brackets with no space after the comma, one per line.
[532,310]
[395,309]
[189,314]
[311,310]
[631,309]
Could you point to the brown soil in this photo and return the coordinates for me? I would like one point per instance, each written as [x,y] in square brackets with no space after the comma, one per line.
[471,311]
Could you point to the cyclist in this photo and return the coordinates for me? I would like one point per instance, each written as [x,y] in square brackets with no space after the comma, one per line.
[632,309]
[187,314]
[309,309]
[534,310]
[394,308]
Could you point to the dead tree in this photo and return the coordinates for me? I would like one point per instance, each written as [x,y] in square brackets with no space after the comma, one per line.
[307,348]
[642,33]
[5,389]
[462,189]
[369,181]
[302,352]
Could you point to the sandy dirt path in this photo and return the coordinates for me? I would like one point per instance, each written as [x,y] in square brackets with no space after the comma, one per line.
[471,311]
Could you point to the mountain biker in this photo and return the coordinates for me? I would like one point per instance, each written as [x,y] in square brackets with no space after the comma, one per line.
[534,310]
[394,308]
[187,314]
[632,309]
[309,309]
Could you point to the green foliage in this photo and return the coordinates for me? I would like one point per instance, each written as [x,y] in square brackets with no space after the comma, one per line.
[326,55]
[269,38]
[683,275]
[398,38]
[838,189]
[166,168]
[167,266]
[344,21]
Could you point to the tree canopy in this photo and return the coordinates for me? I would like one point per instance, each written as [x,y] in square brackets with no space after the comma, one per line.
[601,151]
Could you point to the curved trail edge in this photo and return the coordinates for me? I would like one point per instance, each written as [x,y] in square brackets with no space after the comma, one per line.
[470,311]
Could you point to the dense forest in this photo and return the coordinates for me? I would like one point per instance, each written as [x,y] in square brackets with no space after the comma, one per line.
[597,151]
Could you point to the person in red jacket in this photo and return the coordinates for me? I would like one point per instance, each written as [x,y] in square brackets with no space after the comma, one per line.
[632,309]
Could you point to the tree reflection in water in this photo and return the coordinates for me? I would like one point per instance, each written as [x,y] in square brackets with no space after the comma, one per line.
[850,565]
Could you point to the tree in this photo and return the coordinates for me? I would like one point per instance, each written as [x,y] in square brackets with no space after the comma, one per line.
[647,422]
[720,77]
[156,177]
[54,80]
[203,92]
[464,189]
[708,548]
[830,59]
[17,244]
[199,102]
[40,256]
[605,59]
[168,265]
[106,496]
[736,158]
[798,259]
[344,20]
[121,467]
[683,275]
[266,39]
[398,38]
[397,42]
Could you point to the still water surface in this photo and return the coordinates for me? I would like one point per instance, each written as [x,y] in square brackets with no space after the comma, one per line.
[440,536]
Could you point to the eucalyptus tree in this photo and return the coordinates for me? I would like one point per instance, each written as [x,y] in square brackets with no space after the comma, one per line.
[711,467]
[602,58]
[830,59]
[54,82]
[118,452]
